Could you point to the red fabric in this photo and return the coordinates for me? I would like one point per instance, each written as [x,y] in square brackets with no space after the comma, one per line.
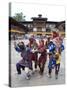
[33,56]
[42,59]
[55,34]
[31,43]
[43,56]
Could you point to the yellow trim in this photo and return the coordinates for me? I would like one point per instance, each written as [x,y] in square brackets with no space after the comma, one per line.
[43,33]
[16,31]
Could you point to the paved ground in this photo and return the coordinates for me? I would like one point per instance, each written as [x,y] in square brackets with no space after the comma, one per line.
[36,79]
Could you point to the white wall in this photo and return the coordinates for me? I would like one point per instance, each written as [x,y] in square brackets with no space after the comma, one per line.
[34,29]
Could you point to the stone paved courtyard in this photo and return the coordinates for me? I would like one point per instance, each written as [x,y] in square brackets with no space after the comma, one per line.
[36,79]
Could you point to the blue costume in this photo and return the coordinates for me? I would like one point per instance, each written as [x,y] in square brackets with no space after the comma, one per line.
[62,47]
[51,46]
[18,49]
[52,63]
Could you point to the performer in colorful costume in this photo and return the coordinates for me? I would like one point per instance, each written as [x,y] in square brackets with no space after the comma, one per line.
[58,41]
[25,61]
[43,57]
[51,51]
[33,46]
[56,57]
